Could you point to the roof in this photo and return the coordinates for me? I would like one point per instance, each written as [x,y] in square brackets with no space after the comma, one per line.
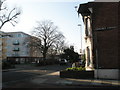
[17,32]
[84,9]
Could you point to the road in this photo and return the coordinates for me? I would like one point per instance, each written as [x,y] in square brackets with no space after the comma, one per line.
[26,72]
[31,77]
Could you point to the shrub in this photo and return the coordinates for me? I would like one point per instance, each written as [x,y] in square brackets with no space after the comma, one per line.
[47,62]
[76,69]
[7,65]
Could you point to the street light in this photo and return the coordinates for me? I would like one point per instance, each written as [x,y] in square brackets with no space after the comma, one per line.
[76,8]
[81,37]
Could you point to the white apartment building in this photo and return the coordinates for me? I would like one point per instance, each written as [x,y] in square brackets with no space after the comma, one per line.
[17,45]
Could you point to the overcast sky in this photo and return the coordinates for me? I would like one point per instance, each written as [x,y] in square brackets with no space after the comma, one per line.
[61,12]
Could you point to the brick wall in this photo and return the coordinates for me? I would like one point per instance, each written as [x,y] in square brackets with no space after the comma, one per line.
[119,35]
[106,40]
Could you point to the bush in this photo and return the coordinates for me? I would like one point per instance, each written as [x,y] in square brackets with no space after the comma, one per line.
[76,69]
[7,65]
[47,62]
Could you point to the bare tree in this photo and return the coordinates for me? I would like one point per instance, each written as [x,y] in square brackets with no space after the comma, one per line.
[59,46]
[57,49]
[32,43]
[8,15]
[48,34]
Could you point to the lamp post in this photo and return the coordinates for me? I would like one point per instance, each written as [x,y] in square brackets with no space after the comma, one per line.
[81,37]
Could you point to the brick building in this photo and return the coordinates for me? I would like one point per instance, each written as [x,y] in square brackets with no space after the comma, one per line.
[105,26]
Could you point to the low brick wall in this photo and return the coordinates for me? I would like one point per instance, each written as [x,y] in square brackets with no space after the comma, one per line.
[77,74]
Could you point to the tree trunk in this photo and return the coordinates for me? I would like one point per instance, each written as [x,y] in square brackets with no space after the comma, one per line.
[45,53]
[44,56]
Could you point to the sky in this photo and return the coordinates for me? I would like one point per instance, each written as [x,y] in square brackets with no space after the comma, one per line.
[61,12]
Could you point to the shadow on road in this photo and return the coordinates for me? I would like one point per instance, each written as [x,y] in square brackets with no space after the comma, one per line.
[26,72]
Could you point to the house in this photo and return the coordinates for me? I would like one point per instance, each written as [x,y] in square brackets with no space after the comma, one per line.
[102,27]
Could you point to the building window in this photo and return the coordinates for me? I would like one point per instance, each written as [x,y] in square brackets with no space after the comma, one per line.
[88,56]
[16,54]
[87,26]
[16,49]
[16,42]
[19,35]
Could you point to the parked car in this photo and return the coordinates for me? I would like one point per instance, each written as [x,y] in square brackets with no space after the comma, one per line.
[63,62]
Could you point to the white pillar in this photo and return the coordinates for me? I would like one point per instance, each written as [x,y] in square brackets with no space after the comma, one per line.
[86,56]
[91,58]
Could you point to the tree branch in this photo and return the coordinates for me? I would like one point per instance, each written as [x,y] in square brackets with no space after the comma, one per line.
[4,18]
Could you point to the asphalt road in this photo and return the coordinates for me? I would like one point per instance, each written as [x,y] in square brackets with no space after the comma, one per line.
[25,72]
[21,78]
